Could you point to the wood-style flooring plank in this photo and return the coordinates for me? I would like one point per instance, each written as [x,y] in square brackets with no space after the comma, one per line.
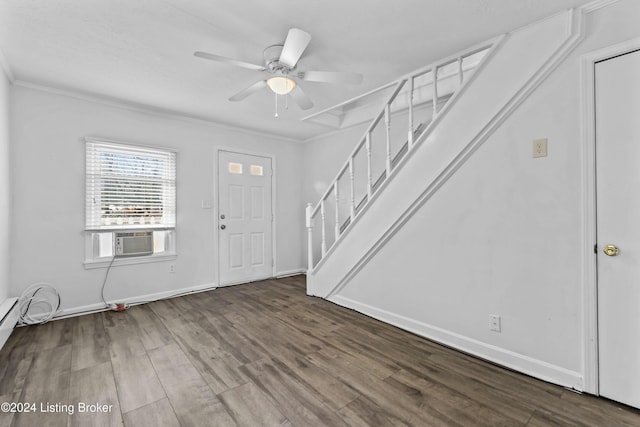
[193,401]
[15,360]
[93,393]
[297,403]
[90,346]
[54,334]
[250,407]
[378,391]
[157,414]
[366,356]
[448,403]
[363,412]
[150,329]
[330,390]
[6,417]
[217,366]
[238,345]
[423,375]
[137,382]
[47,386]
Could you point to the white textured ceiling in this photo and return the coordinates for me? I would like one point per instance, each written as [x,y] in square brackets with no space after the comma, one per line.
[141,51]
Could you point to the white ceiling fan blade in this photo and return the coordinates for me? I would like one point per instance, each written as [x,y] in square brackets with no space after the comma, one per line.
[301,98]
[226,60]
[331,77]
[296,42]
[248,91]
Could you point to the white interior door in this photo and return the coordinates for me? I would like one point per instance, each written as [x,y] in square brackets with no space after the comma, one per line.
[617,100]
[244,218]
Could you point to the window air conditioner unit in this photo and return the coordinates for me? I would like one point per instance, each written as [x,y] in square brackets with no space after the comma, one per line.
[134,243]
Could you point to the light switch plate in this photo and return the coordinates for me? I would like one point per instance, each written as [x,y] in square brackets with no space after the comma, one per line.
[540,147]
[495,323]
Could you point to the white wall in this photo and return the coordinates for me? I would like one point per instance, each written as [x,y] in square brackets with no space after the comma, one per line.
[5,187]
[503,235]
[323,157]
[48,185]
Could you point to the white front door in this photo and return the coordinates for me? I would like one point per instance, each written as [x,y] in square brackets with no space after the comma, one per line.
[244,218]
[617,101]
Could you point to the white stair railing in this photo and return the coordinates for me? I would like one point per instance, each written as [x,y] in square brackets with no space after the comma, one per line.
[377,155]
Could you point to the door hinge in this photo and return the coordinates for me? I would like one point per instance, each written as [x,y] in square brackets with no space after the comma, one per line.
[595,248]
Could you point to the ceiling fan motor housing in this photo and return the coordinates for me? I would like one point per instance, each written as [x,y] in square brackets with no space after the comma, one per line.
[272,60]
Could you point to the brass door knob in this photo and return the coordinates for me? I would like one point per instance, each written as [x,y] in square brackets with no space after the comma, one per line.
[611,250]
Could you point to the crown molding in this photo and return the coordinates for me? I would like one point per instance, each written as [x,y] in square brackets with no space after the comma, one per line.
[147,109]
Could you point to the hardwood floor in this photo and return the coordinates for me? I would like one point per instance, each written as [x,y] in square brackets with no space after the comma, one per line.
[265,354]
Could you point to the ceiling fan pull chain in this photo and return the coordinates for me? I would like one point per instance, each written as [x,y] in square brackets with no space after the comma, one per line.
[276,104]
[286,95]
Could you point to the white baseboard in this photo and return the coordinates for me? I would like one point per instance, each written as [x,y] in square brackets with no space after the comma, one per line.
[97,307]
[141,299]
[521,363]
[8,319]
[288,273]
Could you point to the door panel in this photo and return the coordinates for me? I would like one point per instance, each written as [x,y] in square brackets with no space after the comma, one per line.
[257,203]
[617,100]
[257,249]
[236,251]
[245,219]
[236,202]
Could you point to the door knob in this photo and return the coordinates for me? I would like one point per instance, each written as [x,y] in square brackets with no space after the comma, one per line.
[222,227]
[611,250]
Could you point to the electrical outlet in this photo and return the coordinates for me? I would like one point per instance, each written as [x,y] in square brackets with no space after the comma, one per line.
[494,322]
[540,147]
[172,268]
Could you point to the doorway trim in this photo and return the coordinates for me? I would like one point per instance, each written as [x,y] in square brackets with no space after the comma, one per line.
[216,210]
[589,235]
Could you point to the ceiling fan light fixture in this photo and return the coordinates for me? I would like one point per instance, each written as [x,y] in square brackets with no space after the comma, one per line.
[281,85]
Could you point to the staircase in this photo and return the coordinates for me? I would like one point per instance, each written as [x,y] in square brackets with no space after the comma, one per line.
[385,238]
[410,110]
[430,123]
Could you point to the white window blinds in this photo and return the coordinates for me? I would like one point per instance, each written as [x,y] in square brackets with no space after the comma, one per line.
[129,187]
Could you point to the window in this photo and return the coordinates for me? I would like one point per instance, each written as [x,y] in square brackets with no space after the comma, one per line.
[256,170]
[128,188]
[235,168]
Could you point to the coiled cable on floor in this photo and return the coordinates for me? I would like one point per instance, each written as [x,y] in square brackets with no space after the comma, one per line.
[38,304]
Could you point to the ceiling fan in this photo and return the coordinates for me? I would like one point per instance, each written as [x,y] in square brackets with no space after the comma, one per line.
[280,61]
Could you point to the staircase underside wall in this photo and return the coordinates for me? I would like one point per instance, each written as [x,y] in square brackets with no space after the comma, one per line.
[500,236]
[505,74]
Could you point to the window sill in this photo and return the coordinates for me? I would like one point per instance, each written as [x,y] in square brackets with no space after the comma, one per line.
[104,262]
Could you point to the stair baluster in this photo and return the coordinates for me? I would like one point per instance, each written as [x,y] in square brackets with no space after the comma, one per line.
[337,225]
[410,132]
[352,204]
[369,171]
[387,124]
[452,70]
[434,74]
[324,237]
